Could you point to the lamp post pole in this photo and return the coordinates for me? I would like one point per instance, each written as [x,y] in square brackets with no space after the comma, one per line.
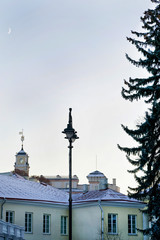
[70,189]
[71,135]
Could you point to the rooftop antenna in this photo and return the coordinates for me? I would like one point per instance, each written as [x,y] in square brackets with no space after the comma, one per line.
[96,161]
[22,137]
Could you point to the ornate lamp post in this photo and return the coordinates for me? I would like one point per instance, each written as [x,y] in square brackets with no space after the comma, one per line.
[71,135]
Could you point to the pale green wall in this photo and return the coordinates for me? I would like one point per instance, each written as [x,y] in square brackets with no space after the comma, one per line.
[122,225]
[38,212]
[88,222]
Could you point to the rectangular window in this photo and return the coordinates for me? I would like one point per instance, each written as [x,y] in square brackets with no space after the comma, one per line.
[46,224]
[64,221]
[28,222]
[112,223]
[9,216]
[132,224]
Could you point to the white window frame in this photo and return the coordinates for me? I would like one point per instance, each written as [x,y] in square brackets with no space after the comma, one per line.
[9,216]
[28,222]
[133,229]
[112,223]
[64,225]
[46,224]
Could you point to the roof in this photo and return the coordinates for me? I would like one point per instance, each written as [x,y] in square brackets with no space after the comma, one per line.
[108,195]
[17,188]
[21,152]
[58,177]
[13,187]
[96,174]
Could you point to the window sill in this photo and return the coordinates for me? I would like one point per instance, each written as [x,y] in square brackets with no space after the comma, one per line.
[109,233]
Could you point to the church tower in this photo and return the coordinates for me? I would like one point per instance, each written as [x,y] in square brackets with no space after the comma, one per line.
[21,165]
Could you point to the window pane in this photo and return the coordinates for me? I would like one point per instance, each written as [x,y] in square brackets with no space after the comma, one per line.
[132,224]
[9,216]
[109,222]
[112,223]
[63,225]
[28,222]
[46,223]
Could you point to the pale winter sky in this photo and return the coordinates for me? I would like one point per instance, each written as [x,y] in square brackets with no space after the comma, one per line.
[57,54]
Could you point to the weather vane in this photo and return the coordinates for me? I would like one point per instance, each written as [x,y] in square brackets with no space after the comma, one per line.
[22,137]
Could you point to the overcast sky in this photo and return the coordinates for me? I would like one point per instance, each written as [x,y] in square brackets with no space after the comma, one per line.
[57,54]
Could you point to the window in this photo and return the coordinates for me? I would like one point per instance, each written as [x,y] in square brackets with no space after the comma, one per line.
[46,224]
[112,223]
[9,216]
[64,225]
[28,222]
[132,224]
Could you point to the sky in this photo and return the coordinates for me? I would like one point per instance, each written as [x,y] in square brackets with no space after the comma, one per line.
[61,54]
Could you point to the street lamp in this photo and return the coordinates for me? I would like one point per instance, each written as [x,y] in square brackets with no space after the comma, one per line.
[71,135]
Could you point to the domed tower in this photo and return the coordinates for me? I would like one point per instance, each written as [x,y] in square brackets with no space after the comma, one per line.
[21,165]
[97,180]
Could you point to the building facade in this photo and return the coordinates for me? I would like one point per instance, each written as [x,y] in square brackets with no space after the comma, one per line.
[108,215]
[42,211]
[96,181]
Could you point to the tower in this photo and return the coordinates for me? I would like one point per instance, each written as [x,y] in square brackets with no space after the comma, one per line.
[21,165]
[97,180]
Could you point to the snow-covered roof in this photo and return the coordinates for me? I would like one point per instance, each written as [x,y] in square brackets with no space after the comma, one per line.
[17,188]
[13,187]
[108,195]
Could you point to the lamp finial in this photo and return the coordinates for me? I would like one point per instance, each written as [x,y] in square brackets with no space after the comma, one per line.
[70,117]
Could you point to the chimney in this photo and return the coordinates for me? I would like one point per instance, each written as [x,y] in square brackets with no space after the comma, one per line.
[114,181]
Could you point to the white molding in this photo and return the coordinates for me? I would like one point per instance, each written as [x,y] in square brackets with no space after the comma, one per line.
[36,203]
[109,203]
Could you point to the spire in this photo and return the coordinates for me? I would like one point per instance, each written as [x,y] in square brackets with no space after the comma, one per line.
[22,138]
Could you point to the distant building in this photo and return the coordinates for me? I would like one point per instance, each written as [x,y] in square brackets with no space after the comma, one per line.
[96,181]
[62,182]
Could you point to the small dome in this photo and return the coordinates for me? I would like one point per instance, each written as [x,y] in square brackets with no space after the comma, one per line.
[96,174]
[22,152]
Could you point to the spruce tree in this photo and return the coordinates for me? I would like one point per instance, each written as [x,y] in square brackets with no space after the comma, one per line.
[145,156]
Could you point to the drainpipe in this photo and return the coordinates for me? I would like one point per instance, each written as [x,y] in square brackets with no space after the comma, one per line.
[4,201]
[102,220]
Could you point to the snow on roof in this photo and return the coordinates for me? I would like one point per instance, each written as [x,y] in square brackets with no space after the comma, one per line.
[13,187]
[104,195]
[18,188]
